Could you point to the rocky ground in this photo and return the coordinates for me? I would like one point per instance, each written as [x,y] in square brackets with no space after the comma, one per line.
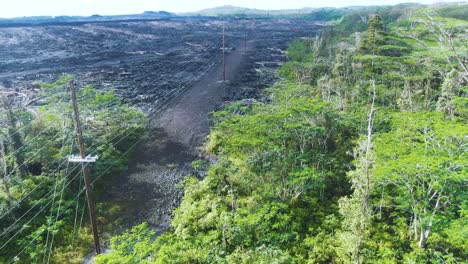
[170,69]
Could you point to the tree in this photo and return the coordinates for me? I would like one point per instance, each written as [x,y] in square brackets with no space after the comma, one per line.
[422,164]
[448,93]
[375,34]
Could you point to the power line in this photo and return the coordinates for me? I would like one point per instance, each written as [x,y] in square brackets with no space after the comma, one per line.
[77,206]
[60,203]
[44,207]
[30,209]
[224,58]
[55,189]
[56,170]
[171,96]
[95,180]
[56,217]
[80,192]
[19,130]
[24,144]
[37,186]
[169,101]
[176,93]
[168,96]
[185,66]
[32,156]
[30,192]
[32,240]
[179,70]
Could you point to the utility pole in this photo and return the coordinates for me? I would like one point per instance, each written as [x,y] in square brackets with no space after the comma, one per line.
[245,42]
[224,59]
[84,160]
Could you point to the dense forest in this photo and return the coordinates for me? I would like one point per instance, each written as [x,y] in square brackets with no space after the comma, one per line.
[359,155]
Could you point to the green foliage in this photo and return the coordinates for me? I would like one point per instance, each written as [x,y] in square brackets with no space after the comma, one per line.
[38,205]
[419,188]
[303,67]
[301,51]
[130,247]
[375,35]
[449,92]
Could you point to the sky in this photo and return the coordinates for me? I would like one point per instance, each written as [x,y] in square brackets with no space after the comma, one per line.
[19,8]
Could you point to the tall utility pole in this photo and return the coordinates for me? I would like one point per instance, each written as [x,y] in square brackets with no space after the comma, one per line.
[84,166]
[224,59]
[245,42]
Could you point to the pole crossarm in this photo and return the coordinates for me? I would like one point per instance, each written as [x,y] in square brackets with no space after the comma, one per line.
[87,159]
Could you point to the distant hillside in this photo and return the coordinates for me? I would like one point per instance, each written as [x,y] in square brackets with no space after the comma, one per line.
[147,15]
[322,14]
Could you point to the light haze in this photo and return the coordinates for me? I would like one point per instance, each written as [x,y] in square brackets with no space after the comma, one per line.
[19,8]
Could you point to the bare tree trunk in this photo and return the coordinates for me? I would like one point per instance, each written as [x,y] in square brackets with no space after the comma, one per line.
[370,124]
[5,169]
[15,138]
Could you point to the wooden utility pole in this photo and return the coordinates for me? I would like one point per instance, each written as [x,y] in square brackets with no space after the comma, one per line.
[224,59]
[245,42]
[84,165]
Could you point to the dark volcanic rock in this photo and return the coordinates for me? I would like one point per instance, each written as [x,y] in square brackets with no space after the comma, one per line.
[170,69]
